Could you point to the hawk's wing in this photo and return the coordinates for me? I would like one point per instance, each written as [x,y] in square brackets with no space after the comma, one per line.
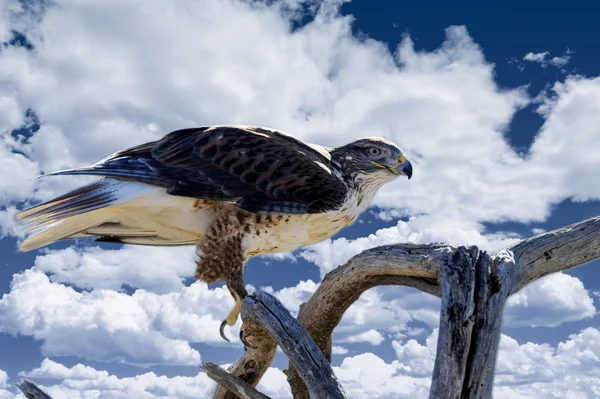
[263,170]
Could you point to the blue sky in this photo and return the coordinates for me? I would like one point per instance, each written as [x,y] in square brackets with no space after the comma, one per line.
[496,104]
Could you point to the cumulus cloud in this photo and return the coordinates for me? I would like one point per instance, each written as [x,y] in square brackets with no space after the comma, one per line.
[394,311]
[82,381]
[526,370]
[19,172]
[3,379]
[293,297]
[545,60]
[318,82]
[50,369]
[549,302]
[370,336]
[155,269]
[338,350]
[143,328]
[4,394]
[331,253]
[369,376]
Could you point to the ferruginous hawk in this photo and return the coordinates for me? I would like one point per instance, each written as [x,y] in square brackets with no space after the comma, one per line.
[233,191]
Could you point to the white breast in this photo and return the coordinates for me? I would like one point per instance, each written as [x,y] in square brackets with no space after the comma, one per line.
[289,232]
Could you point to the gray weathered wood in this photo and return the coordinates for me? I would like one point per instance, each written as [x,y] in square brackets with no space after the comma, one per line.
[294,340]
[413,265]
[234,384]
[457,279]
[556,250]
[31,391]
[493,289]
[254,362]
[419,266]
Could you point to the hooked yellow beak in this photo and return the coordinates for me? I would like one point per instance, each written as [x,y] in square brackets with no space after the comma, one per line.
[403,167]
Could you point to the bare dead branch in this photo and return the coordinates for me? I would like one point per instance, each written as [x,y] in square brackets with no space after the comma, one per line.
[31,391]
[456,323]
[253,364]
[419,266]
[556,250]
[234,384]
[492,291]
[294,340]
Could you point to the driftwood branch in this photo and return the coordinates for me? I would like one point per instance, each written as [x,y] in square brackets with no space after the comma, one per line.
[474,287]
[255,361]
[312,366]
[234,384]
[31,391]
[457,278]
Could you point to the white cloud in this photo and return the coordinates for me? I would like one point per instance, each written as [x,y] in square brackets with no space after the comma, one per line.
[536,57]
[50,369]
[525,370]
[544,60]
[156,269]
[338,350]
[368,376]
[293,297]
[3,379]
[17,173]
[567,371]
[371,336]
[549,302]
[318,82]
[274,384]
[143,328]
[8,225]
[82,381]
[419,229]
[4,394]
[570,134]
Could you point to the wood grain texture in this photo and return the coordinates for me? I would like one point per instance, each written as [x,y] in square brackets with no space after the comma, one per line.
[31,391]
[255,360]
[233,384]
[474,289]
[457,278]
[296,342]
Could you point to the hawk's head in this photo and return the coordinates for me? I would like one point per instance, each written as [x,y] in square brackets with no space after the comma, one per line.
[372,160]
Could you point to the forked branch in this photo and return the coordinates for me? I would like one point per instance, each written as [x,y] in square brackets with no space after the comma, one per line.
[471,282]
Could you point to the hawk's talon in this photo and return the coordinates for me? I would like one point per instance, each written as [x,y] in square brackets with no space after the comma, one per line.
[246,343]
[222,330]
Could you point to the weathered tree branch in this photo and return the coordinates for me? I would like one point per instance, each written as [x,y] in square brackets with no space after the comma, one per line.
[234,384]
[31,391]
[474,284]
[294,340]
[255,361]
[556,250]
[457,279]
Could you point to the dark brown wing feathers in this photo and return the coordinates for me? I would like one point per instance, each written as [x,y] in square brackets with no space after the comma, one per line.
[265,171]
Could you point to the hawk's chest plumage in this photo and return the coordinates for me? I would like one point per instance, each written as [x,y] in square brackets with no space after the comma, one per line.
[279,233]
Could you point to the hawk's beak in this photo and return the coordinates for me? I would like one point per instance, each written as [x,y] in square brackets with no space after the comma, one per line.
[404,167]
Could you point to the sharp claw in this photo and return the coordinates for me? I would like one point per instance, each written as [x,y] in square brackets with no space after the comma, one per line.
[222,330]
[246,343]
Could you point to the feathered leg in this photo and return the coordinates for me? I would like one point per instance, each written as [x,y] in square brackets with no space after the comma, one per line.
[222,258]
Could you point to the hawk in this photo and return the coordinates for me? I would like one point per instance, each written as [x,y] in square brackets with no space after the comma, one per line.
[233,191]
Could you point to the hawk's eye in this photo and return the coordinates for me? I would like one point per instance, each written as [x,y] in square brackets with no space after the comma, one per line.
[374,151]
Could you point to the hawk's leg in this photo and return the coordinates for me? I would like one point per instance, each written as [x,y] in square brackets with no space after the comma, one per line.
[221,257]
[238,291]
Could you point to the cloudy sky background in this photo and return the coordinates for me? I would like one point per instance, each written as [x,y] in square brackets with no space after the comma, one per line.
[498,114]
